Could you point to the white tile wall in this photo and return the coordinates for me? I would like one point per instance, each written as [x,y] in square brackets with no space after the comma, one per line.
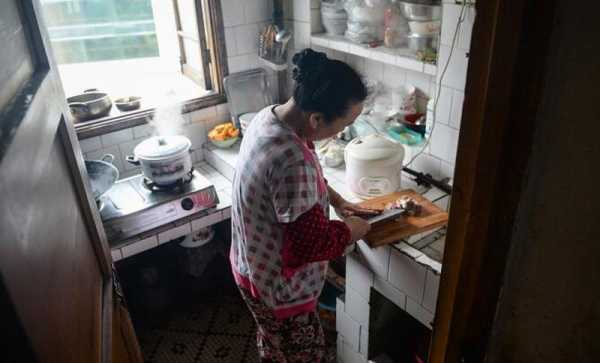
[143,131]
[302,10]
[358,277]
[418,312]
[407,276]
[301,35]
[257,11]
[456,74]
[432,284]
[444,105]
[444,143]
[376,259]
[247,38]
[233,12]
[349,329]
[357,307]
[351,356]
[90,144]
[458,99]
[390,292]
[115,138]
[196,132]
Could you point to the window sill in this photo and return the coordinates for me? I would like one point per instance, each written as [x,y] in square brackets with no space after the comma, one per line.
[127,120]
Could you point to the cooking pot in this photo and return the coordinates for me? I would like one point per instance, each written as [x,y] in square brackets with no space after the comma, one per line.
[89,105]
[373,166]
[102,174]
[164,159]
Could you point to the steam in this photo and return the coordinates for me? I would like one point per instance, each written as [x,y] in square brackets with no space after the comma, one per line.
[168,118]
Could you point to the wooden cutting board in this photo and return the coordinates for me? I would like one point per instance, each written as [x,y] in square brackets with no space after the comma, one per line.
[393,231]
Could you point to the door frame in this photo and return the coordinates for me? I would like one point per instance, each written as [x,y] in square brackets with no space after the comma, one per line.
[507,63]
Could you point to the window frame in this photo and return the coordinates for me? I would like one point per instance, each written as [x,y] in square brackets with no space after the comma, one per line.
[215,42]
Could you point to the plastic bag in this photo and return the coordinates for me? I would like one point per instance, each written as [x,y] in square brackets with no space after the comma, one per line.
[365,20]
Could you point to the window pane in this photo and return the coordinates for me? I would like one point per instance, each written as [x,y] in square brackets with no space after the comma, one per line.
[187,16]
[96,30]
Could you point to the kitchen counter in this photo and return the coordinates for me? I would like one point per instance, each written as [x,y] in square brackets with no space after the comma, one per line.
[426,248]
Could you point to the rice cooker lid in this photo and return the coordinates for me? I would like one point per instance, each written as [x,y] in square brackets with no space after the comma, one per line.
[374,147]
[158,147]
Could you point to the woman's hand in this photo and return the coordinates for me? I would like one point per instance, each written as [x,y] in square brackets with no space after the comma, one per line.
[358,227]
[346,209]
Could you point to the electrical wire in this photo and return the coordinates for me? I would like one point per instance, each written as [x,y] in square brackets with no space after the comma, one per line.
[461,19]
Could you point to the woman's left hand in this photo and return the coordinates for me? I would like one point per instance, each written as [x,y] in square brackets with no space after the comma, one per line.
[346,209]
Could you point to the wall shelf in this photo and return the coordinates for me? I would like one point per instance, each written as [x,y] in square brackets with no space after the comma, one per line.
[402,57]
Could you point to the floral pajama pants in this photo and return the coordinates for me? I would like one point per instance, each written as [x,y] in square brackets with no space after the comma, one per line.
[298,339]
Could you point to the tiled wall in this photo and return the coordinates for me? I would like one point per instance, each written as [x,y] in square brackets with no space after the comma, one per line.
[242,20]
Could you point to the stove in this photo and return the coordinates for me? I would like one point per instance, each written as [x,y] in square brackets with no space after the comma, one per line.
[135,205]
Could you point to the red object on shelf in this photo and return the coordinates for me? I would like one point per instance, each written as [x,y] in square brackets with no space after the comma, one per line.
[413,118]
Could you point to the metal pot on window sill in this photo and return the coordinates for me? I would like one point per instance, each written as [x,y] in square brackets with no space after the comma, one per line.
[164,160]
[89,105]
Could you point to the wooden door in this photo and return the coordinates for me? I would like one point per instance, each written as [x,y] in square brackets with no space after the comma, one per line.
[194,53]
[55,267]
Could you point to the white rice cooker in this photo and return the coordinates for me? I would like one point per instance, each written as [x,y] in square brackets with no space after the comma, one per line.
[373,166]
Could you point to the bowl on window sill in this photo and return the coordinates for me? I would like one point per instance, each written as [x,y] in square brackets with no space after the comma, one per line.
[125,104]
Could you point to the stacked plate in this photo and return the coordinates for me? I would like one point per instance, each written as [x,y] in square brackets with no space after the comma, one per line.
[424,20]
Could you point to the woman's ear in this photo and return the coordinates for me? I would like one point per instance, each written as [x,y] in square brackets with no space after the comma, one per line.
[315,121]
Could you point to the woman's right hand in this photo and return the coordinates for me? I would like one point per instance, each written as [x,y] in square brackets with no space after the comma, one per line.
[358,227]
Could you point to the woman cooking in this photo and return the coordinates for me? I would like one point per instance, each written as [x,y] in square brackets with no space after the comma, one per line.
[282,236]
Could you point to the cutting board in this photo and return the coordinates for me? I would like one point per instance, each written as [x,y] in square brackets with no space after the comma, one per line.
[393,231]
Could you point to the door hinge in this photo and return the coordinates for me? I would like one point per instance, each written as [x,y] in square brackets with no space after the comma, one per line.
[207,56]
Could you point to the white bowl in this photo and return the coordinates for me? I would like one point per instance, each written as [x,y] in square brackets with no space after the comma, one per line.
[225,144]
[425,27]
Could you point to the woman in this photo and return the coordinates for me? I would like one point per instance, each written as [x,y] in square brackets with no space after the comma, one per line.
[281,234]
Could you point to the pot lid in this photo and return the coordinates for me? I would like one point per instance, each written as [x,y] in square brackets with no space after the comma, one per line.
[374,147]
[158,147]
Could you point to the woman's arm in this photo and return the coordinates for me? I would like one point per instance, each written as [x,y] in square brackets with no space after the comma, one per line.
[313,237]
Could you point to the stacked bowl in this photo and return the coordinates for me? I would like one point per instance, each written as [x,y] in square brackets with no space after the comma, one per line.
[424,20]
[334,17]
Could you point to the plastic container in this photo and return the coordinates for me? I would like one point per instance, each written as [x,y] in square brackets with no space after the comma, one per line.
[421,43]
[425,27]
[396,27]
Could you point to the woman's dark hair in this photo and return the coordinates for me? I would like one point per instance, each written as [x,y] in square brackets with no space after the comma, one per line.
[325,85]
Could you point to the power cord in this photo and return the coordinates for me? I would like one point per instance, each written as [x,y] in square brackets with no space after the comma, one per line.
[461,19]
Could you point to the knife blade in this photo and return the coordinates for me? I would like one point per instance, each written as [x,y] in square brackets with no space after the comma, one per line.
[385,216]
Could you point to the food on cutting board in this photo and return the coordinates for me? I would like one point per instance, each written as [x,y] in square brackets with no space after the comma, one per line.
[411,207]
[224,132]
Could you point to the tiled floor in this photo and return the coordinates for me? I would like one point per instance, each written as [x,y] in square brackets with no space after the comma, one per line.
[219,330]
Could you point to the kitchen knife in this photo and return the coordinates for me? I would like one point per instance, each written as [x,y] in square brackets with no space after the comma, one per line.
[386,216]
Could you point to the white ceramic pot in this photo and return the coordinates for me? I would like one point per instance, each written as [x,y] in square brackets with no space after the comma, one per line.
[163,159]
[373,166]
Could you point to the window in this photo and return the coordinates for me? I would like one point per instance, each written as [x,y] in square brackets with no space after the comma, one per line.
[159,50]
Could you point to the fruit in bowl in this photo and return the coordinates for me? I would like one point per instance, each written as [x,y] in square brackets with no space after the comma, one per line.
[224,135]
